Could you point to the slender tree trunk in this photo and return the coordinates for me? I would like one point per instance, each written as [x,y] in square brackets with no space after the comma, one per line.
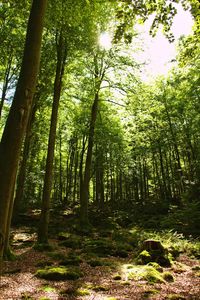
[22,171]
[5,84]
[15,127]
[84,195]
[86,179]
[44,218]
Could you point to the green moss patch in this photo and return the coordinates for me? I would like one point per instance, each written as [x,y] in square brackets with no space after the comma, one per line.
[59,273]
[100,288]
[168,277]
[147,273]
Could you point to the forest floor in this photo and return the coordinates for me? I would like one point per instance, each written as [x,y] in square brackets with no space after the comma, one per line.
[103,277]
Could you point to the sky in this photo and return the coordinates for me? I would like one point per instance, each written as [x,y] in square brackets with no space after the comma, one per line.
[158,51]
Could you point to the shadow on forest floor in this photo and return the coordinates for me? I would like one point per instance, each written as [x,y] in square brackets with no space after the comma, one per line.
[103,263]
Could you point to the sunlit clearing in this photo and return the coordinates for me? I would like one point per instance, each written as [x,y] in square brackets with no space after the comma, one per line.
[105,41]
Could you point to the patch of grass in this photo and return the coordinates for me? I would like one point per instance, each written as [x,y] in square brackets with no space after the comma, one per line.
[59,273]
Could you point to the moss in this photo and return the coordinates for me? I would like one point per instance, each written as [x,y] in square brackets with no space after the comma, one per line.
[196,268]
[144,257]
[73,241]
[167,276]
[59,273]
[146,273]
[9,255]
[197,274]
[43,247]
[149,293]
[126,283]
[47,288]
[117,277]
[156,266]
[44,263]
[110,298]
[71,260]
[100,288]
[13,271]
[96,262]
[26,296]
[101,247]
[82,292]
[64,236]
[121,253]
[56,255]
[175,297]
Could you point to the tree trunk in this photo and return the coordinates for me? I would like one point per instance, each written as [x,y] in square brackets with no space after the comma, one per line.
[15,127]
[22,172]
[86,179]
[44,218]
[84,195]
[5,84]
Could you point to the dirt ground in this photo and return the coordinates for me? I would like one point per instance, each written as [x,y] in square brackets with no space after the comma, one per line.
[18,280]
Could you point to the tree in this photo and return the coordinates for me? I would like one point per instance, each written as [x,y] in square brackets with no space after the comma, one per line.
[18,117]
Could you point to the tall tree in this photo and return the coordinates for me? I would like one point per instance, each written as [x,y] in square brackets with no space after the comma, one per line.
[18,117]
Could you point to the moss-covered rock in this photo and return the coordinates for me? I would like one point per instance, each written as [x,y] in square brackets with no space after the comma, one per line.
[59,273]
[154,251]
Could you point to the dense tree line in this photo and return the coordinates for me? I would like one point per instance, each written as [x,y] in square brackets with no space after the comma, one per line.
[79,127]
